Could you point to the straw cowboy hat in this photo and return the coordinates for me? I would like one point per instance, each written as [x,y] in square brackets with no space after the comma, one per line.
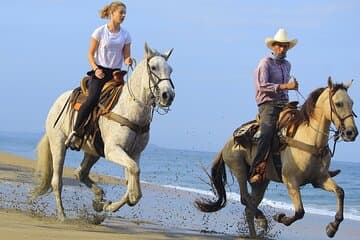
[280,36]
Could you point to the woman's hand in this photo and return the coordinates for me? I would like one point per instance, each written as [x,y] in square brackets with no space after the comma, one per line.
[128,61]
[99,73]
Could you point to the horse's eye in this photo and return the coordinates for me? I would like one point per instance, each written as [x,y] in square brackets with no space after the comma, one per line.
[339,104]
[153,68]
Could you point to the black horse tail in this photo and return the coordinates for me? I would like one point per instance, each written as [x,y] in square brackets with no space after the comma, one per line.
[218,181]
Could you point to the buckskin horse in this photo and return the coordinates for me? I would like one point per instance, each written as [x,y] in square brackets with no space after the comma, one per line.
[124,132]
[305,159]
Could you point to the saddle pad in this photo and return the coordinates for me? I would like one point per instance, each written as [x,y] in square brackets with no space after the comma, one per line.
[245,134]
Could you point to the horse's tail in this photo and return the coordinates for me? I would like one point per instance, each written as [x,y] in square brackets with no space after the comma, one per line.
[218,180]
[44,169]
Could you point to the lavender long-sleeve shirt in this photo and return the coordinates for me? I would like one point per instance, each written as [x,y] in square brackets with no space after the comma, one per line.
[269,74]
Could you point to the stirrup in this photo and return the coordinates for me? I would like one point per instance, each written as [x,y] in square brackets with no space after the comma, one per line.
[257,173]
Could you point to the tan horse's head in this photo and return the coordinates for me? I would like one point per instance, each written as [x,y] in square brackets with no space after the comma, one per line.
[340,110]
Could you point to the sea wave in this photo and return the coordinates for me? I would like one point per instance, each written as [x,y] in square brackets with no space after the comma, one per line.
[348,214]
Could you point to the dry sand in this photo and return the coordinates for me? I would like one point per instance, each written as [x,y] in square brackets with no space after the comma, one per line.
[161,214]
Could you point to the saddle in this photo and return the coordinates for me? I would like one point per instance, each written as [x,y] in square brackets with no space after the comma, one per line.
[108,98]
[248,134]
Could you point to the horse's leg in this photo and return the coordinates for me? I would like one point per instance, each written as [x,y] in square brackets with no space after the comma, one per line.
[257,195]
[236,162]
[246,200]
[133,194]
[82,173]
[330,185]
[295,196]
[58,154]
[133,183]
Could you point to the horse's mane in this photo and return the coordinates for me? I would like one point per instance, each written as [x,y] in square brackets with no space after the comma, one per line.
[308,106]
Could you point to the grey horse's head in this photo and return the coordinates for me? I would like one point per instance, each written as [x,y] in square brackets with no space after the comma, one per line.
[160,76]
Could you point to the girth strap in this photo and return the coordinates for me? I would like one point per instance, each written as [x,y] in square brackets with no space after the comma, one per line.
[306,147]
[126,122]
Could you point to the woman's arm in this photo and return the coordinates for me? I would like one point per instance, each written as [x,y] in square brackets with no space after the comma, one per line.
[94,44]
[127,54]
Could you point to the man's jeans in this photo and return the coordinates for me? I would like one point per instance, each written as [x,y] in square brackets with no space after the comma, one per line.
[269,114]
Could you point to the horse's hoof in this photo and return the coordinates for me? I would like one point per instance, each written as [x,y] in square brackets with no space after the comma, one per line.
[61,218]
[99,206]
[334,173]
[262,222]
[77,173]
[279,217]
[133,199]
[130,204]
[331,230]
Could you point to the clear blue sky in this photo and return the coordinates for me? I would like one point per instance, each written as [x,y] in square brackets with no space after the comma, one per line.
[217,45]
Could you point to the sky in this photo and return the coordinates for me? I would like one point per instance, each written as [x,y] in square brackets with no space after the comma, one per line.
[217,45]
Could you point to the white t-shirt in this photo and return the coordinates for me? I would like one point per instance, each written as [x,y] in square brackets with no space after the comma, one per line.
[110,51]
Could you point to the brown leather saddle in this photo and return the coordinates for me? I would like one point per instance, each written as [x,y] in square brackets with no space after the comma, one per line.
[248,133]
[109,96]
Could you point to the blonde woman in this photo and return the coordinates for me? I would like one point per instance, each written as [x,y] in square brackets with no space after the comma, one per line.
[109,48]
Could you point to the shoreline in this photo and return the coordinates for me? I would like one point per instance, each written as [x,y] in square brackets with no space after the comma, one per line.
[162,213]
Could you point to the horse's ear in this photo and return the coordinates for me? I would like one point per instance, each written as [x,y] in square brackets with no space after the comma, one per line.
[348,84]
[148,52]
[330,83]
[167,54]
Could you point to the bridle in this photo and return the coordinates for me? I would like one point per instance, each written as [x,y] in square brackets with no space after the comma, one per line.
[155,96]
[341,128]
[154,81]
[333,110]
[140,129]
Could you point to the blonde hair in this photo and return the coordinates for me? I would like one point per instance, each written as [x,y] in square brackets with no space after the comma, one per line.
[108,9]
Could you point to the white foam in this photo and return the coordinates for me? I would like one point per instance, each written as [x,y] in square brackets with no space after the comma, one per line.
[267,202]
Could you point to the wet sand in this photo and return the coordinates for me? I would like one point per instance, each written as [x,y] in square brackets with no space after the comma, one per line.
[18,222]
[162,213]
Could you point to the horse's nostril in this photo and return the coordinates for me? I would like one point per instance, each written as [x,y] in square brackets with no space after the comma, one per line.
[349,133]
[164,95]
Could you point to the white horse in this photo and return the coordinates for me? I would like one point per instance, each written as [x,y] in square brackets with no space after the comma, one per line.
[125,133]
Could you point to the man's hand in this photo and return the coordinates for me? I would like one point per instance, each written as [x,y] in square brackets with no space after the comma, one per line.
[293,85]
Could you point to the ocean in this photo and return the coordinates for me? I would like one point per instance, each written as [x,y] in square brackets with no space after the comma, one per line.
[181,169]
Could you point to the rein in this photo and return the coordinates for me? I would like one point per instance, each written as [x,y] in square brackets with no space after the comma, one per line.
[130,89]
[320,151]
[126,122]
[154,95]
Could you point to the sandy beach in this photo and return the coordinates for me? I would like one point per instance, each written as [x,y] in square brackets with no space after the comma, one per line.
[162,213]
